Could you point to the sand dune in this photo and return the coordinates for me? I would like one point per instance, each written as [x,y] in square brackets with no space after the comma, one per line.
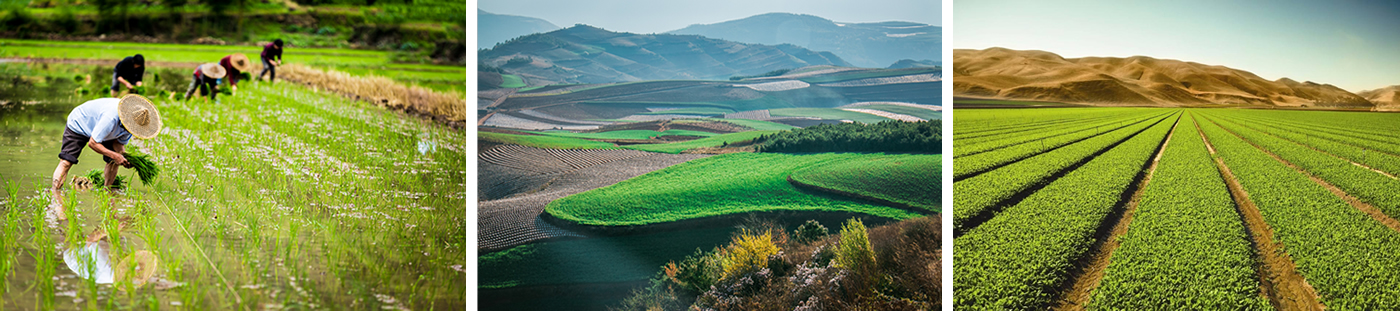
[1386,98]
[1139,80]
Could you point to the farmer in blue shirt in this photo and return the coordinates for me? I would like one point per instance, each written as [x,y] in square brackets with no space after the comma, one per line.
[128,72]
[105,125]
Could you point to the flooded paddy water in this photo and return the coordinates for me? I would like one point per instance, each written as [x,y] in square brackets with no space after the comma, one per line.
[279,197]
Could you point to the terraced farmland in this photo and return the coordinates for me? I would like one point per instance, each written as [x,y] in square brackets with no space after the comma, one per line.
[1138,208]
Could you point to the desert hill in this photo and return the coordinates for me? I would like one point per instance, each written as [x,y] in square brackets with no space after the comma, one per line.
[586,54]
[1038,75]
[496,28]
[869,45]
[1386,98]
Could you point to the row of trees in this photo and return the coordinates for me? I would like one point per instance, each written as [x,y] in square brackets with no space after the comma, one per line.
[888,136]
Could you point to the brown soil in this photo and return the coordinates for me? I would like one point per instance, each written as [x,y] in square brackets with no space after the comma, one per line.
[1083,284]
[1279,279]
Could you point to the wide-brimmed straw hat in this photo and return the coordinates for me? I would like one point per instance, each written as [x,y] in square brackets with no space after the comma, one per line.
[213,70]
[240,62]
[137,269]
[139,116]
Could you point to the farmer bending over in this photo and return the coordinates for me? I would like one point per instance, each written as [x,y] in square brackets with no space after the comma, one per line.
[206,79]
[271,59]
[128,72]
[105,125]
[235,64]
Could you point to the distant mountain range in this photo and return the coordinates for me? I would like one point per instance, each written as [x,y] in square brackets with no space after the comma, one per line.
[872,45]
[586,54]
[1386,98]
[909,63]
[496,28]
[1038,75]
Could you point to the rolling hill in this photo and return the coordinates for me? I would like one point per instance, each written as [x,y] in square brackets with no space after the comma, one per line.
[1001,73]
[586,54]
[863,44]
[494,28]
[1386,98]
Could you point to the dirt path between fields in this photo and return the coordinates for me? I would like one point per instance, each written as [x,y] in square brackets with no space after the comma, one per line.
[1279,279]
[1083,284]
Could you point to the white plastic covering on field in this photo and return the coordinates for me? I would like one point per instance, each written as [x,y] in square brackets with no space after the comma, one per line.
[776,86]
[887,114]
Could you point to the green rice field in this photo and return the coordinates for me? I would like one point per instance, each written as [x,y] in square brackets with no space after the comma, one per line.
[280,197]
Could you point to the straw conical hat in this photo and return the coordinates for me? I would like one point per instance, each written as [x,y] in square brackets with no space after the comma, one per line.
[240,62]
[213,70]
[137,268]
[139,116]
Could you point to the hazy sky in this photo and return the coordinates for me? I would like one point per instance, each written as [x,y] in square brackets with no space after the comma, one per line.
[1352,44]
[664,15]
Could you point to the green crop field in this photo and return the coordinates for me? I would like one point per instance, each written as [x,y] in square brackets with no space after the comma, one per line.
[926,114]
[828,113]
[357,62]
[278,197]
[543,141]
[712,141]
[1048,200]
[910,179]
[720,185]
[626,134]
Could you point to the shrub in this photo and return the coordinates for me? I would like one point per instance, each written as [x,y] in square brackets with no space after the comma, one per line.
[518,61]
[697,272]
[854,251]
[656,297]
[748,252]
[809,232]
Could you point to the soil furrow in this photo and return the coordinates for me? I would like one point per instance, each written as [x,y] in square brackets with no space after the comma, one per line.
[1083,284]
[1328,153]
[1279,279]
[1364,207]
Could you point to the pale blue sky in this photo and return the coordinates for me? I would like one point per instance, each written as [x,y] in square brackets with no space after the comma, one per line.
[640,16]
[1352,44]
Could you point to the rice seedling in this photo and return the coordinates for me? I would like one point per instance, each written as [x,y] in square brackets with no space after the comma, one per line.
[147,170]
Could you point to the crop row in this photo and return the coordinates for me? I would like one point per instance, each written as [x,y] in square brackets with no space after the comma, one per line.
[1365,184]
[966,166]
[1061,133]
[1314,126]
[1377,124]
[1019,259]
[979,136]
[1353,145]
[910,179]
[978,193]
[544,161]
[974,121]
[1349,258]
[1186,247]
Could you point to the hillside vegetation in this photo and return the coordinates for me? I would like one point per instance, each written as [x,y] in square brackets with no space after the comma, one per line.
[888,136]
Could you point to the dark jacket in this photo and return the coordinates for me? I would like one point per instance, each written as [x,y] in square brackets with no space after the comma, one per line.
[271,52]
[125,71]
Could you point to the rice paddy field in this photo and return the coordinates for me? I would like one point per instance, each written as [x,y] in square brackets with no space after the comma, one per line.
[280,197]
[357,62]
[1148,208]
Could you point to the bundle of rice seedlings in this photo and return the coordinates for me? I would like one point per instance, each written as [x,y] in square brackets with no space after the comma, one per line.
[141,89]
[144,167]
[94,180]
